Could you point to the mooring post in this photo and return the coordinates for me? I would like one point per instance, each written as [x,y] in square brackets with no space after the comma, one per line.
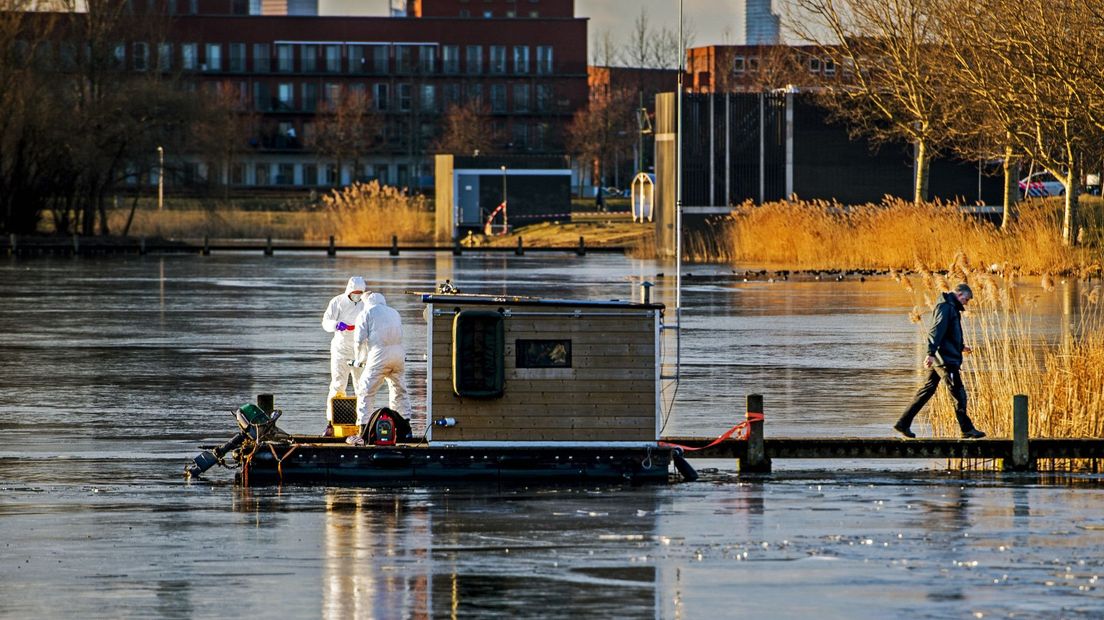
[1021,452]
[268,246]
[332,250]
[266,402]
[520,248]
[142,246]
[456,248]
[76,245]
[756,460]
[14,244]
[581,251]
[394,245]
[206,251]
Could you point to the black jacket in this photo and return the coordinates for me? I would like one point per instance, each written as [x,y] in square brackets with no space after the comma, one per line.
[945,341]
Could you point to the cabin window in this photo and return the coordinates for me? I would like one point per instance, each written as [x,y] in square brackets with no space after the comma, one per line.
[478,354]
[543,353]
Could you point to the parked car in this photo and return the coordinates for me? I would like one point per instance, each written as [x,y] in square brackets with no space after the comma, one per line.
[1041,185]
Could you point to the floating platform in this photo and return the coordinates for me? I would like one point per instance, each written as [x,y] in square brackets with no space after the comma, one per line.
[330,460]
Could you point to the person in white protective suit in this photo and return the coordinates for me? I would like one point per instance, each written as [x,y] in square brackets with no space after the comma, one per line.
[339,319]
[380,351]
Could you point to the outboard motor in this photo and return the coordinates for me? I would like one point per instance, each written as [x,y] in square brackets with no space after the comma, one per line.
[255,424]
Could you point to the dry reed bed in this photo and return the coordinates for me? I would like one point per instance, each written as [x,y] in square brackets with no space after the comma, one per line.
[361,213]
[1060,373]
[808,235]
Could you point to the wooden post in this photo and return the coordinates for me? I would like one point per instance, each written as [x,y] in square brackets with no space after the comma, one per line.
[14,244]
[1021,452]
[268,246]
[756,460]
[332,250]
[206,251]
[266,402]
[76,245]
[581,251]
[394,245]
[456,247]
[520,251]
[142,246]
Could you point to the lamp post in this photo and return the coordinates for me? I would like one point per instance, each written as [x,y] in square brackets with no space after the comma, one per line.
[160,178]
[505,221]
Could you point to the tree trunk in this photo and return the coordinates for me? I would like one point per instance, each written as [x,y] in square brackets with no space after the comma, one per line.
[1011,188]
[102,209]
[1069,218]
[920,183]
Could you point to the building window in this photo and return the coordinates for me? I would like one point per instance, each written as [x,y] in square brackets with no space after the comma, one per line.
[521,97]
[405,97]
[262,98]
[193,6]
[331,93]
[189,56]
[427,59]
[521,59]
[428,98]
[544,98]
[498,59]
[474,59]
[260,175]
[451,94]
[141,56]
[450,59]
[498,98]
[475,93]
[379,59]
[540,139]
[310,174]
[478,354]
[738,65]
[403,59]
[237,57]
[753,64]
[520,135]
[488,14]
[380,96]
[358,62]
[164,56]
[262,61]
[237,174]
[333,58]
[814,65]
[285,59]
[829,67]
[285,96]
[542,353]
[308,58]
[544,59]
[310,96]
[285,174]
[255,7]
[214,57]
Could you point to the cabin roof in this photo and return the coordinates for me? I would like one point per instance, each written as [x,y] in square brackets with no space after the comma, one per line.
[521,300]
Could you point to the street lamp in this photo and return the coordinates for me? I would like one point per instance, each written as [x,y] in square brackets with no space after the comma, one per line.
[160,178]
[505,221]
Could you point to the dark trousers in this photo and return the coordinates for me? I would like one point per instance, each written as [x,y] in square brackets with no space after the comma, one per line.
[953,380]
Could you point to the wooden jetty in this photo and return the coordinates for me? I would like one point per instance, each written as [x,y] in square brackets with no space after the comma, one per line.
[15,245]
[1020,453]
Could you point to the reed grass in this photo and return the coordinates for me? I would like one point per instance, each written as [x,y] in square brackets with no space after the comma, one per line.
[361,213]
[1059,370]
[821,235]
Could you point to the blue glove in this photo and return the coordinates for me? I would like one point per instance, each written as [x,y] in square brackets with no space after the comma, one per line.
[342,326]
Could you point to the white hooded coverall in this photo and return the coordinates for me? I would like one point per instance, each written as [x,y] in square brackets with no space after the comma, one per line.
[379,345]
[341,309]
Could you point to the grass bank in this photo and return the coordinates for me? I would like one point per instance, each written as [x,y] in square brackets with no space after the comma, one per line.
[1058,369]
[899,235]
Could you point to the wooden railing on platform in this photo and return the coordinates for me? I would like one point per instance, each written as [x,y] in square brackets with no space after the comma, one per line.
[1020,453]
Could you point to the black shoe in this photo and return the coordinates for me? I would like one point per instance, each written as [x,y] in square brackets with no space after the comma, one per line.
[904,431]
[972,434]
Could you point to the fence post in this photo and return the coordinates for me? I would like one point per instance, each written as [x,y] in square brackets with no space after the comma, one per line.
[581,251]
[76,245]
[268,246]
[13,250]
[332,250]
[520,251]
[142,246]
[756,460]
[206,251]
[456,247]
[1021,451]
[394,245]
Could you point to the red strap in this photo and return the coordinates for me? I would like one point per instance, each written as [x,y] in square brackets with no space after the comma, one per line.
[745,426]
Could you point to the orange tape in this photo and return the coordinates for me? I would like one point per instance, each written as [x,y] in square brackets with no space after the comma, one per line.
[745,426]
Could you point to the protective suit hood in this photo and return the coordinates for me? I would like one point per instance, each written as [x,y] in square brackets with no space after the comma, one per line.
[375,299]
[356,283]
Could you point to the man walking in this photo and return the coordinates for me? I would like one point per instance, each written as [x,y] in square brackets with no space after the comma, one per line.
[944,359]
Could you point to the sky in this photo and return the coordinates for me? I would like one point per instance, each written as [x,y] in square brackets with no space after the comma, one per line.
[712,21]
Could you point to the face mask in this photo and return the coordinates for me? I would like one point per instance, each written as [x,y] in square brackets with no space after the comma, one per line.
[355,297]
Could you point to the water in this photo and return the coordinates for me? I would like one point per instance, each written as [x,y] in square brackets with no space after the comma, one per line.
[113,371]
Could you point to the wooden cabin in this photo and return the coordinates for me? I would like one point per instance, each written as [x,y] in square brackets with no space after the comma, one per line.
[522,370]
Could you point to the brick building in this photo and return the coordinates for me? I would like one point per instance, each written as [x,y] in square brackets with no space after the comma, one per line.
[756,68]
[524,59]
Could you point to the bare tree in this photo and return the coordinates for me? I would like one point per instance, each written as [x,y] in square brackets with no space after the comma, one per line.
[346,129]
[892,88]
[467,129]
[605,130]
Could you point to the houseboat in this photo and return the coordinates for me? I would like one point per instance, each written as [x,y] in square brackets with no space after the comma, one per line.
[518,388]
